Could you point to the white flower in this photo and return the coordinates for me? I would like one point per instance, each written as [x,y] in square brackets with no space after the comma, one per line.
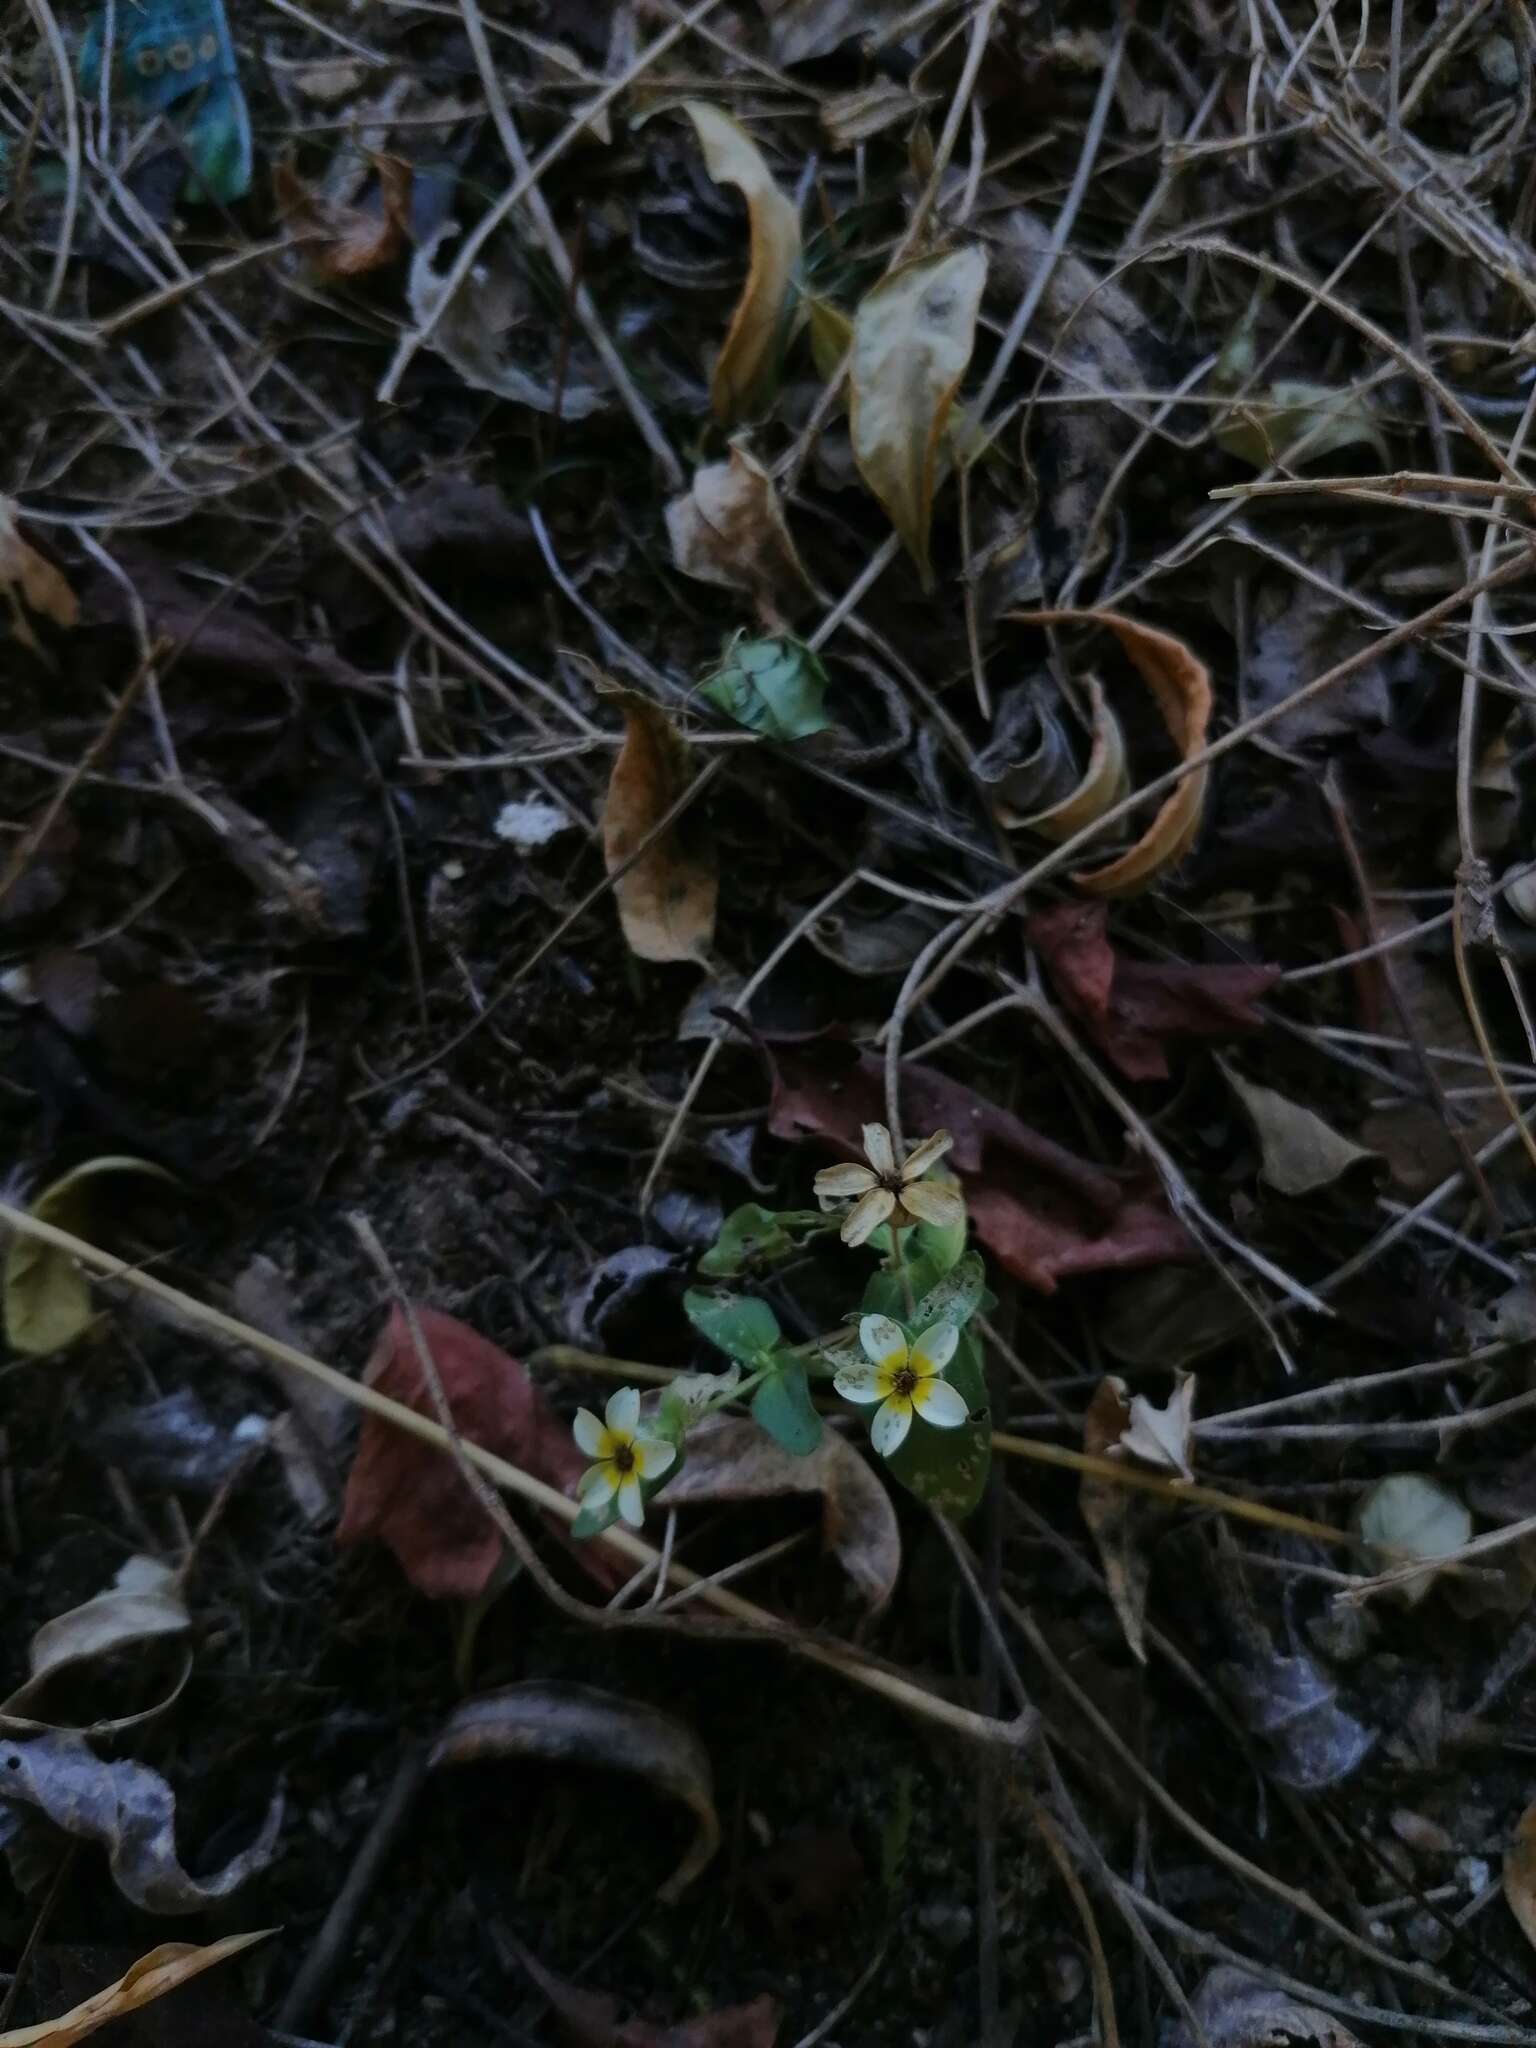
[884,1192]
[622,1457]
[905,1380]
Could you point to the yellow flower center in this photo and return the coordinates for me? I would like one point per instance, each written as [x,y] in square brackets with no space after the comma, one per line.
[623,1457]
[903,1380]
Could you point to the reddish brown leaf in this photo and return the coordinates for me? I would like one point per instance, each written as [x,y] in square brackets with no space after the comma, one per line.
[589,2019]
[1044,1212]
[347,241]
[1128,1007]
[413,1498]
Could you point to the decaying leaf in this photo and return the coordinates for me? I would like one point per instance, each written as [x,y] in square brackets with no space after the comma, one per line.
[1027,763]
[130,1810]
[470,335]
[1131,1008]
[831,333]
[47,1296]
[1300,1152]
[1123,1523]
[1299,422]
[590,2019]
[1160,1437]
[164,1969]
[733,1460]
[1181,685]
[1042,1210]
[667,897]
[912,341]
[1237,2011]
[749,353]
[1407,1516]
[30,583]
[1289,1703]
[802,29]
[728,528]
[144,1604]
[561,1723]
[1104,780]
[412,1497]
[347,241]
[1520,1873]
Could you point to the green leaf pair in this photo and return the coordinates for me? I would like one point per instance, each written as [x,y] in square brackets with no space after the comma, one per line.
[746,1329]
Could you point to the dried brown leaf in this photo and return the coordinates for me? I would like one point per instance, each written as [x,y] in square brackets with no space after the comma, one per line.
[912,341]
[144,1604]
[749,353]
[728,528]
[347,241]
[667,897]
[1237,2011]
[1181,685]
[580,1724]
[1300,1152]
[1104,780]
[30,583]
[734,1460]
[1120,1521]
[151,1977]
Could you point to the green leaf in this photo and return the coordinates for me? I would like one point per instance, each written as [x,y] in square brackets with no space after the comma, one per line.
[593,1521]
[782,1406]
[739,1324]
[929,1248]
[749,1236]
[47,1296]
[774,687]
[956,1297]
[948,1468]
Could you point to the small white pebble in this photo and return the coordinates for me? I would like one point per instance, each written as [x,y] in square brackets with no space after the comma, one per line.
[530,821]
[1474,1872]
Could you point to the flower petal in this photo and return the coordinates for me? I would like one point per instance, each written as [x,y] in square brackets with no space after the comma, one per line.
[623,1410]
[934,1201]
[940,1403]
[883,1341]
[843,1183]
[889,1430]
[588,1432]
[860,1383]
[596,1486]
[653,1455]
[929,1153]
[934,1349]
[631,1505]
[878,1149]
[867,1215]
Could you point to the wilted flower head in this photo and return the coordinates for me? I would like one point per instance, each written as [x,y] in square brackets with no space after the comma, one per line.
[883,1192]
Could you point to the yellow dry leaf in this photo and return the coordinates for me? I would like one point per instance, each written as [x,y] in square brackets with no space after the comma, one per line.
[749,353]
[912,341]
[47,1296]
[1181,685]
[29,583]
[1104,782]
[667,897]
[165,1968]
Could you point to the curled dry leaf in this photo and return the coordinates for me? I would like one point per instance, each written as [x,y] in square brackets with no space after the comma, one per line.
[1237,2011]
[47,1296]
[164,1969]
[728,528]
[749,353]
[912,341]
[470,333]
[1130,1007]
[1520,1873]
[131,1811]
[347,241]
[1300,1153]
[559,1723]
[413,1498]
[29,583]
[1104,780]
[733,1460]
[1181,685]
[1160,1437]
[144,1604]
[1122,1523]
[667,897]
